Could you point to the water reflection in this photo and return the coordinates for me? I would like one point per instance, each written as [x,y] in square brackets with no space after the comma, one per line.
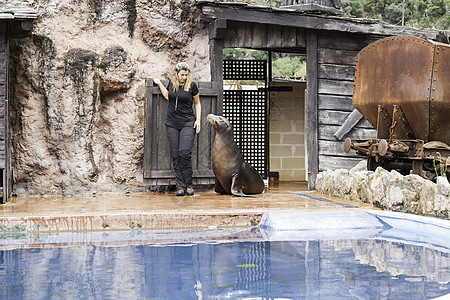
[343,269]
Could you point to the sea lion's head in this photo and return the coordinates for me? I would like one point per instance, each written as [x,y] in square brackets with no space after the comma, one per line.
[219,123]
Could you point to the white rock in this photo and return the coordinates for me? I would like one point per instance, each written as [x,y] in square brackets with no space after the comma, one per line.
[395,196]
[361,166]
[443,185]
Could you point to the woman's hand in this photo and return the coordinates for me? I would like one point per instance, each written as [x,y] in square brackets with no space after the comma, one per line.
[197,125]
[162,88]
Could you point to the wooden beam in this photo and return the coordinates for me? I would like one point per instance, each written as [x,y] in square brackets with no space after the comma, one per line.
[353,118]
[216,59]
[311,108]
[271,15]
[217,29]
[148,128]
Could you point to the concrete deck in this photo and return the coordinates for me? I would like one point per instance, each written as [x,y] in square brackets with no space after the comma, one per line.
[162,210]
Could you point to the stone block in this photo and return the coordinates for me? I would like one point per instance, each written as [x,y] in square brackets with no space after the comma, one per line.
[294,114]
[293,163]
[280,126]
[299,125]
[286,175]
[299,175]
[284,102]
[293,139]
[275,163]
[275,138]
[280,151]
[299,151]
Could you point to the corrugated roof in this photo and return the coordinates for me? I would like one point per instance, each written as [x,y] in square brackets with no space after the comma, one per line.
[17,10]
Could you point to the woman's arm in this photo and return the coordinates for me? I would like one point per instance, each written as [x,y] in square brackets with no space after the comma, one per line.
[163,89]
[198,112]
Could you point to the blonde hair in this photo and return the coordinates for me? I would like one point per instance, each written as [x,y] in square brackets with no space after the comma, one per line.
[181,66]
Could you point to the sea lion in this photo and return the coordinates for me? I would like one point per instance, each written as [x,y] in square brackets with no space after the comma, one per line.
[233,175]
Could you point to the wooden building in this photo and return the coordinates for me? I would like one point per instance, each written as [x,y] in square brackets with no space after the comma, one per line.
[330,43]
[16,21]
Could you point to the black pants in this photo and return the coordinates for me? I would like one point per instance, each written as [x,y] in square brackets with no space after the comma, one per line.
[181,139]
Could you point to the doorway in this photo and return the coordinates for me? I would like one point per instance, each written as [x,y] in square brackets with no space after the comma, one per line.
[284,85]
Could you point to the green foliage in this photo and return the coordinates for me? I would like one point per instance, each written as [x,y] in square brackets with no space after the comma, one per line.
[289,65]
[418,13]
[247,266]
[242,53]
[441,167]
[282,64]
[353,8]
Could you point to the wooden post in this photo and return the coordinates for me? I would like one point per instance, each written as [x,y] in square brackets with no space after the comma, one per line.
[311,108]
[7,188]
[216,32]
[216,45]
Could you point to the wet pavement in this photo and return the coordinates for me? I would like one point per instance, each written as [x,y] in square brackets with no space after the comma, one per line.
[163,210]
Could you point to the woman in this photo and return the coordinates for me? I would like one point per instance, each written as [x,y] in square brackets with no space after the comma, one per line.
[181,123]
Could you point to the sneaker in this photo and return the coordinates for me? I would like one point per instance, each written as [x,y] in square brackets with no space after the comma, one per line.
[180,192]
[190,191]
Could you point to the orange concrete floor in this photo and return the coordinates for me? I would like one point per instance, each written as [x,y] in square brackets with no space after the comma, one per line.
[162,210]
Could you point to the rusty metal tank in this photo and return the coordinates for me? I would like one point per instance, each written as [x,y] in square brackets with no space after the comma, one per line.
[411,73]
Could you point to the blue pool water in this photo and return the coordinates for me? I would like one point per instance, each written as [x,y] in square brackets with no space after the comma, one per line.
[355,256]
[329,269]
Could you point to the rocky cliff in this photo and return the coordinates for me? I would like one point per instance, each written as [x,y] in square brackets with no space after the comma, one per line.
[78,90]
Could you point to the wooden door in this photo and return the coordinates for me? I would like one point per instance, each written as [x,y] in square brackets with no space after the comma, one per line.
[157,166]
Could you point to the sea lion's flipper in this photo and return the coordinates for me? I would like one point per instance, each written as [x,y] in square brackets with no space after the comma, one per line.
[218,188]
[236,187]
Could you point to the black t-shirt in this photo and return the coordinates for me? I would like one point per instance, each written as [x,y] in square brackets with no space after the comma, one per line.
[180,104]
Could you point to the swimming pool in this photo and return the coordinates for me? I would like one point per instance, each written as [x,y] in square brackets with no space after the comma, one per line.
[389,256]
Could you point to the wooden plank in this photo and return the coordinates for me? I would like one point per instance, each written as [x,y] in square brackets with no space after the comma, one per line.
[204,145]
[353,118]
[340,57]
[301,38]
[161,174]
[259,33]
[345,41]
[331,117]
[230,40]
[147,129]
[335,87]
[228,11]
[162,160]
[333,163]
[334,102]
[311,108]
[327,133]
[334,148]
[337,72]
[216,59]
[289,37]
[273,36]
[217,29]
[7,174]
[244,37]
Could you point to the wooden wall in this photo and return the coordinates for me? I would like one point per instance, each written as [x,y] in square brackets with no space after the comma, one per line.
[336,59]
[263,36]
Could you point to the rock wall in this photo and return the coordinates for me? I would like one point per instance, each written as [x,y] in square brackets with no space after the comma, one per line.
[78,90]
[388,190]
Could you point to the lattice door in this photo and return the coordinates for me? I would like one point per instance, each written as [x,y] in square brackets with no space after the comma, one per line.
[247,110]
